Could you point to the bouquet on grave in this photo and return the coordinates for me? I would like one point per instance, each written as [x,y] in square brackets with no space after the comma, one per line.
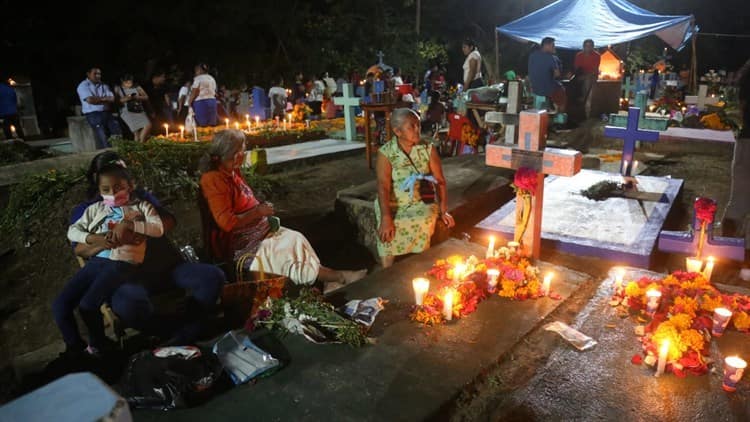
[301,112]
[311,316]
[683,317]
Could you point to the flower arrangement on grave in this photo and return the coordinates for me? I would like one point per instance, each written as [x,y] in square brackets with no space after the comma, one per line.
[517,280]
[705,211]
[716,121]
[301,112]
[311,315]
[524,183]
[683,319]
[669,102]
[713,78]
[469,135]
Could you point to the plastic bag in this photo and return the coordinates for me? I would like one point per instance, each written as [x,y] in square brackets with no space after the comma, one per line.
[170,382]
[364,311]
[242,359]
[579,340]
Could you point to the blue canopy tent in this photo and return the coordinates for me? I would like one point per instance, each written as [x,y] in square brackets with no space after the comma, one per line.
[607,22]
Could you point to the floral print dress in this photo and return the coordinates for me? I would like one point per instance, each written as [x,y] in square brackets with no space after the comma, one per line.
[414,220]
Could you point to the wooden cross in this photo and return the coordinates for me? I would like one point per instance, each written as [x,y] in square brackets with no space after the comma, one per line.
[531,153]
[630,135]
[350,103]
[687,243]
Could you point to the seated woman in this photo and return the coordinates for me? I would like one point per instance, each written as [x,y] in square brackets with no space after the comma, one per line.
[405,221]
[163,268]
[243,221]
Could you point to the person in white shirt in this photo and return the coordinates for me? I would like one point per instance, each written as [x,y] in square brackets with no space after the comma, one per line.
[96,102]
[203,97]
[315,101]
[277,97]
[183,97]
[472,65]
[397,79]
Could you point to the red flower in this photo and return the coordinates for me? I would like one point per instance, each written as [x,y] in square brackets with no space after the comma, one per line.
[705,210]
[526,179]
[636,359]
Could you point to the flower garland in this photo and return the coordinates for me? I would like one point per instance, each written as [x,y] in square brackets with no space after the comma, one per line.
[684,317]
[525,183]
[705,210]
[518,280]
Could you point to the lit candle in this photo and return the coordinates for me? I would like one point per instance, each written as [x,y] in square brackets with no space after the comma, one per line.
[625,168]
[513,246]
[13,133]
[734,367]
[709,268]
[458,272]
[684,109]
[693,264]
[491,248]
[721,320]
[226,123]
[289,116]
[635,167]
[448,305]
[492,276]
[662,363]
[195,133]
[307,124]
[619,276]
[182,132]
[237,125]
[421,285]
[257,121]
[653,297]
[166,130]
[546,284]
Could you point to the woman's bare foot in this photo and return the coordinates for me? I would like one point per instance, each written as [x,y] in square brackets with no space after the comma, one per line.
[331,286]
[352,276]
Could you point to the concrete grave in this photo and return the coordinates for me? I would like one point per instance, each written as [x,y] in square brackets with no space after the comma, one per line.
[410,372]
[81,134]
[473,192]
[602,384]
[618,229]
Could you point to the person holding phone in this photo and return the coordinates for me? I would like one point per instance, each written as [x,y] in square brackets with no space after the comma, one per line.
[131,98]
[96,100]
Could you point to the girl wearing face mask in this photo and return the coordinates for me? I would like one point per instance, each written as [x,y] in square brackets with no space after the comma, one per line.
[106,225]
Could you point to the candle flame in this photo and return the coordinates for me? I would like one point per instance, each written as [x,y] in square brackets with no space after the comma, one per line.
[653,293]
[735,362]
[665,348]
[182,127]
[723,312]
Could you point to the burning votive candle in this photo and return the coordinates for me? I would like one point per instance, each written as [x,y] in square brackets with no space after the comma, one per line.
[491,248]
[721,320]
[458,272]
[13,133]
[257,121]
[653,297]
[546,284]
[182,132]
[634,168]
[226,123]
[663,353]
[237,125]
[492,276]
[734,367]
[693,264]
[421,285]
[166,130]
[619,276]
[625,168]
[709,269]
[448,305]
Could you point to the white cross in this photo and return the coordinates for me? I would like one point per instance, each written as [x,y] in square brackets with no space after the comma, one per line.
[349,101]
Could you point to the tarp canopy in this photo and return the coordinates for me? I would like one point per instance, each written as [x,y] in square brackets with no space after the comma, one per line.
[607,22]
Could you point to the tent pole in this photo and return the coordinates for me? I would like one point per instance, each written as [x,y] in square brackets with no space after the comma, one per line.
[693,82]
[497,56]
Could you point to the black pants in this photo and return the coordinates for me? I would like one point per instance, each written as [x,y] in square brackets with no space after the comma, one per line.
[16,122]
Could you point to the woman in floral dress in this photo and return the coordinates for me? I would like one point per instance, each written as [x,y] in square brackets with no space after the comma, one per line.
[405,221]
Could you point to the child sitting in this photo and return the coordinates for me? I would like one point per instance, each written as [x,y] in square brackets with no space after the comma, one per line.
[112,225]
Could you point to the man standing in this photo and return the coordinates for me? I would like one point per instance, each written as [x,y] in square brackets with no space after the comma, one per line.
[586,67]
[96,104]
[9,110]
[158,106]
[544,70]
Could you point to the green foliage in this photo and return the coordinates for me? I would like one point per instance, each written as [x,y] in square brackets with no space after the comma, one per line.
[643,54]
[35,196]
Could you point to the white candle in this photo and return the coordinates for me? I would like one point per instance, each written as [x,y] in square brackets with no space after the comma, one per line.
[635,167]
[709,268]
[13,133]
[421,285]
[491,248]
[226,123]
[625,168]
[257,121]
[662,363]
[448,305]
[182,132]
[237,125]
[289,116]
[720,320]
[166,130]
[653,297]
[195,133]
[546,284]
[693,264]
[458,272]
[734,367]
[492,276]
[307,124]
[619,276]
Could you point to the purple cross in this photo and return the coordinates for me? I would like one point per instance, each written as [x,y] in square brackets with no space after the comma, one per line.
[687,243]
[630,134]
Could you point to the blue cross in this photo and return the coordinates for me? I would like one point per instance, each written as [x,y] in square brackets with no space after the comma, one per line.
[630,134]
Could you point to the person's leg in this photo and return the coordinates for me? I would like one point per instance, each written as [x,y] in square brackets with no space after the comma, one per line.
[212,113]
[131,303]
[560,99]
[200,111]
[588,92]
[146,132]
[387,261]
[68,299]
[111,275]
[96,120]
[113,126]
[204,282]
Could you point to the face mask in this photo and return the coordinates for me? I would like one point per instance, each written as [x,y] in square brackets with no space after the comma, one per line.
[117,200]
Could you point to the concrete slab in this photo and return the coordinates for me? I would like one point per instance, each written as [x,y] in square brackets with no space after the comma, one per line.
[474,191]
[301,151]
[14,173]
[602,384]
[409,374]
[618,229]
